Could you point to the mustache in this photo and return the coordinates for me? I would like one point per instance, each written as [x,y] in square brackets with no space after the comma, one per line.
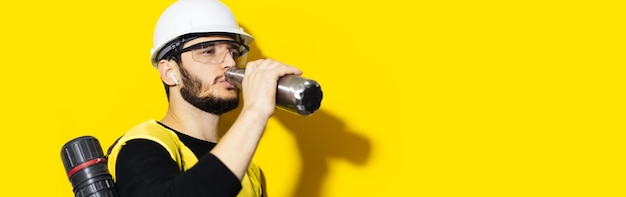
[219,78]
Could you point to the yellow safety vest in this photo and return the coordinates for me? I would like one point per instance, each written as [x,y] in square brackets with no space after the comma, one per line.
[181,154]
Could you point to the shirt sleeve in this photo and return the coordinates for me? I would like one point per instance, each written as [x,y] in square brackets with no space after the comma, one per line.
[145,169]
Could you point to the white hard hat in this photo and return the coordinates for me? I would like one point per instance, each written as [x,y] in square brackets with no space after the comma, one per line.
[193,16]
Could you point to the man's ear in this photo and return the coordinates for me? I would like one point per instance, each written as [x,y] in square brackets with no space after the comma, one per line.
[166,71]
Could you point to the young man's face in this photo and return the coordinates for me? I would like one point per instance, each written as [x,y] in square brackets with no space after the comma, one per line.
[204,84]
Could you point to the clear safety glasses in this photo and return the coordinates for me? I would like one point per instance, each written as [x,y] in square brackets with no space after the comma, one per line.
[216,52]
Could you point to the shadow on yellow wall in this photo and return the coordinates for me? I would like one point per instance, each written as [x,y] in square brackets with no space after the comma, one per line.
[319,137]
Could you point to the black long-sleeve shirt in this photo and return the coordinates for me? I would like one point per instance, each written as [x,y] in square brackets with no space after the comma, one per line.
[145,169]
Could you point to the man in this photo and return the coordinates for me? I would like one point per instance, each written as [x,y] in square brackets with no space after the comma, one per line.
[195,41]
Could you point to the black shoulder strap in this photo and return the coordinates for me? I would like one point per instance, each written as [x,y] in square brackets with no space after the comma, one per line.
[111,148]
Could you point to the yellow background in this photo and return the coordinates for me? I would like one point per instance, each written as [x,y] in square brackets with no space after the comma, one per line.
[421,98]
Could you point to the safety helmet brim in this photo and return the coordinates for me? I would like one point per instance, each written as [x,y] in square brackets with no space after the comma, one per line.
[213,29]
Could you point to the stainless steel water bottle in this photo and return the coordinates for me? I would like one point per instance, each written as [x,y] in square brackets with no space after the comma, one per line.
[294,93]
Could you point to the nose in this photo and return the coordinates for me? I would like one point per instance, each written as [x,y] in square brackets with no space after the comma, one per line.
[228,60]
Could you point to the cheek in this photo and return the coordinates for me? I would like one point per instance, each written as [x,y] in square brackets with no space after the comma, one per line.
[209,77]
[204,70]
[206,74]
[207,86]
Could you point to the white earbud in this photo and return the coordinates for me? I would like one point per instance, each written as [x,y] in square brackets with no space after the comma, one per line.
[172,74]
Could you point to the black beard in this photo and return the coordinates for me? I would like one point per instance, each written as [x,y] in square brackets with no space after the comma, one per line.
[210,104]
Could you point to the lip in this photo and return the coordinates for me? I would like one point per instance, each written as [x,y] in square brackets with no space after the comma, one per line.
[227,84]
